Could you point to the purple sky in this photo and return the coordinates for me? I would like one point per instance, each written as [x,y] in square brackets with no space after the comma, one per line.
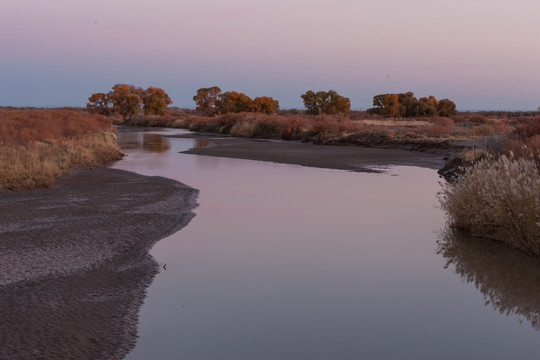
[482,54]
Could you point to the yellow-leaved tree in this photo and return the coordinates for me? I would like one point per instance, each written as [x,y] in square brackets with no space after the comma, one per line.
[155,101]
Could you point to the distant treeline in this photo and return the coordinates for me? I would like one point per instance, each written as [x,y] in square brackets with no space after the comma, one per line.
[128,100]
[406,105]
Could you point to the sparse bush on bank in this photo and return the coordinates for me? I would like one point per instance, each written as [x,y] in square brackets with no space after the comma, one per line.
[498,199]
[39,145]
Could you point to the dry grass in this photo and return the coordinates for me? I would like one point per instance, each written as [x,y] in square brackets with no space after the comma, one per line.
[498,199]
[39,145]
[360,127]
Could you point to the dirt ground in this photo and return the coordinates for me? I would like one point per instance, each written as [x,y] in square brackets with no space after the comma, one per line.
[74,262]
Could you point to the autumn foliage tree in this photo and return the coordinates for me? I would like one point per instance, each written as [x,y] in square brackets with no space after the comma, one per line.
[211,101]
[446,107]
[235,102]
[407,105]
[126,100]
[325,102]
[99,104]
[155,101]
[265,104]
[206,100]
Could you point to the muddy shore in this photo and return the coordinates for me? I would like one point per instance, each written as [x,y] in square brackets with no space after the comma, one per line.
[74,262]
[352,158]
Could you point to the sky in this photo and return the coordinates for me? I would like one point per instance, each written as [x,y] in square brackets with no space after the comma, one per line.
[482,54]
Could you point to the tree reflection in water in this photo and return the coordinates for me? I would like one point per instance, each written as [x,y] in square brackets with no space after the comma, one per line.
[148,142]
[155,143]
[507,278]
[201,142]
[129,141]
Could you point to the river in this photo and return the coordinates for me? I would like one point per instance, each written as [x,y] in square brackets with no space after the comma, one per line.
[290,262]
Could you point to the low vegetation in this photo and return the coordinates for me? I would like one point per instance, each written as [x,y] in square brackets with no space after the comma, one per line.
[498,198]
[39,145]
[355,128]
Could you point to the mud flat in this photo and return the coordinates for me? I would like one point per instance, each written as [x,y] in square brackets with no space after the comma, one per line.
[74,261]
[353,158]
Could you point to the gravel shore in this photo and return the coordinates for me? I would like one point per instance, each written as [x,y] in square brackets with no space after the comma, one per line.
[74,262]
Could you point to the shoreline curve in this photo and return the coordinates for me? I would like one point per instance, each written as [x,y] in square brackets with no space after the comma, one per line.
[75,262]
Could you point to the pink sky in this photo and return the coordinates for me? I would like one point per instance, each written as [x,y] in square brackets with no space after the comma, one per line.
[481,54]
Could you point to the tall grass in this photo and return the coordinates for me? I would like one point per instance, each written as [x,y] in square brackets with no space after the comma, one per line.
[39,145]
[498,199]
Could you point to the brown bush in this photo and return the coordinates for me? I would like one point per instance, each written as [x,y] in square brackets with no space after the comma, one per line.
[292,126]
[527,128]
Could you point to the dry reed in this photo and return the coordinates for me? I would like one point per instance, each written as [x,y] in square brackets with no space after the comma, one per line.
[497,199]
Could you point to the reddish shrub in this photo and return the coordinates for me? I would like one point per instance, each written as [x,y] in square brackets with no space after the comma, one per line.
[21,126]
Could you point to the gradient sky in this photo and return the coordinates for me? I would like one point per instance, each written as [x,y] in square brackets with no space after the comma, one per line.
[482,54]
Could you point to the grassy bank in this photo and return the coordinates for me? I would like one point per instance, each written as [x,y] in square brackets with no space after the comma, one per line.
[356,128]
[499,199]
[39,145]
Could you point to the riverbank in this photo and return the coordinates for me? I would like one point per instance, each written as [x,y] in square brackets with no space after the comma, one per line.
[38,146]
[352,158]
[74,262]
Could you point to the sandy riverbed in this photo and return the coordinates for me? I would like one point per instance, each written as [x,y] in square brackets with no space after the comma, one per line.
[74,262]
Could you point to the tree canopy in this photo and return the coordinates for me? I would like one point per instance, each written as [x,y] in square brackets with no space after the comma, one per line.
[99,104]
[206,100]
[235,102]
[211,101]
[155,101]
[265,104]
[325,102]
[128,100]
[407,105]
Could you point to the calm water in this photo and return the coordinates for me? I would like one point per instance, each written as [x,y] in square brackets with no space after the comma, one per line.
[288,262]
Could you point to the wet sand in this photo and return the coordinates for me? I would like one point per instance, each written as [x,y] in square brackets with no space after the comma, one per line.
[74,262]
[352,158]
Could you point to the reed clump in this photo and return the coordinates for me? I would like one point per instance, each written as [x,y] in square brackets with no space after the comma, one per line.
[499,199]
[37,146]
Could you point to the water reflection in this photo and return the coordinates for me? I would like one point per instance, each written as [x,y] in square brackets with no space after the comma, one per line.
[148,142]
[201,142]
[155,143]
[508,279]
[130,141]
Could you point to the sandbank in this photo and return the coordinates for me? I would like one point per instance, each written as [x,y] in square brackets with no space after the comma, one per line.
[352,158]
[74,261]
